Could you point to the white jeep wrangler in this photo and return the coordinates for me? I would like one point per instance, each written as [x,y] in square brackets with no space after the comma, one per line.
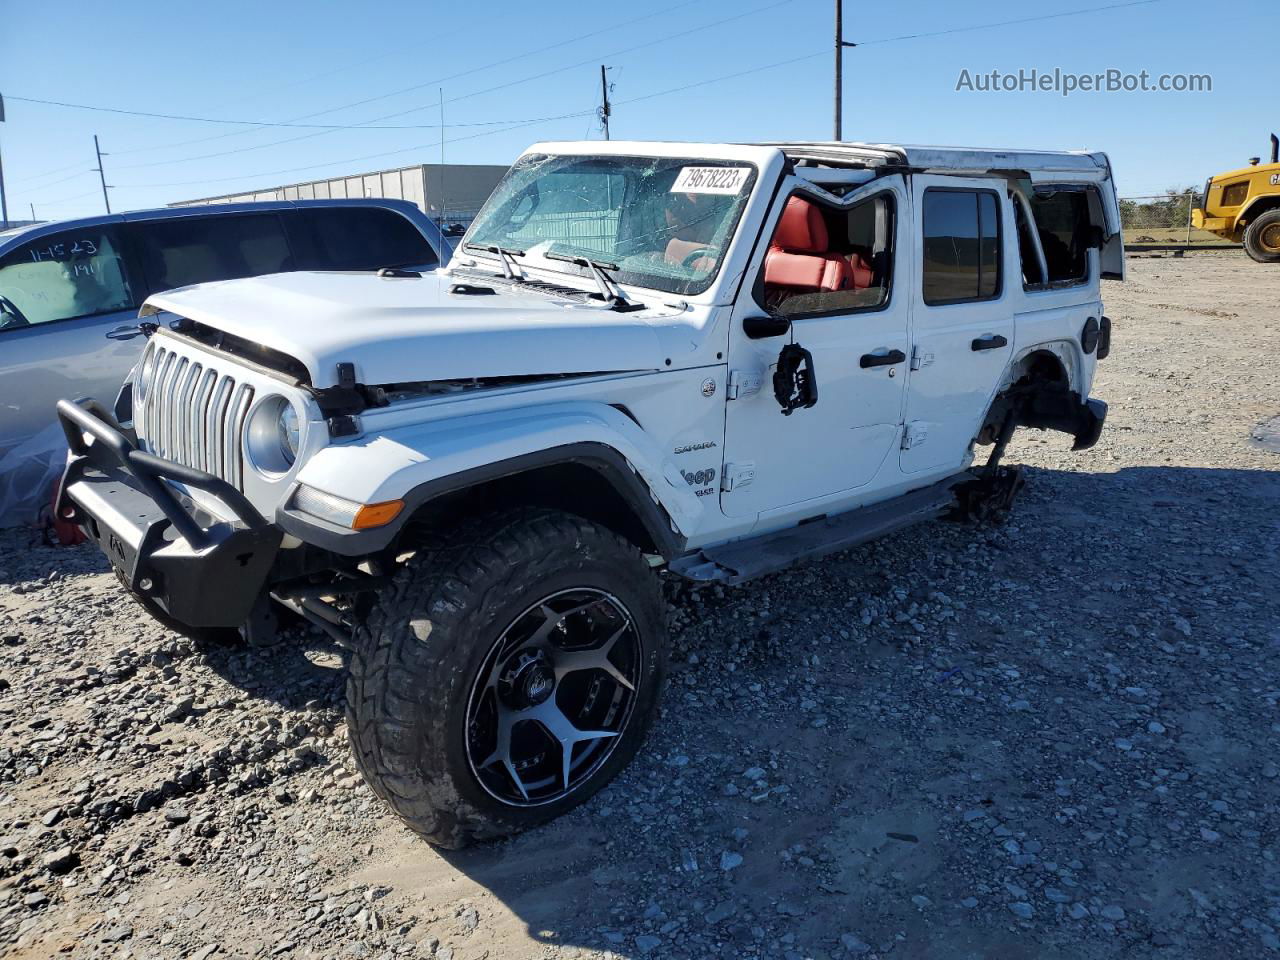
[712,360]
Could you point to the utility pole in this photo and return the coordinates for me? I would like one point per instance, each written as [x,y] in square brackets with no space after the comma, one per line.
[102,177]
[604,101]
[841,43]
[4,204]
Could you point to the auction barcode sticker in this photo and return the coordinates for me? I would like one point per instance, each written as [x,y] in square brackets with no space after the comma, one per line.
[723,180]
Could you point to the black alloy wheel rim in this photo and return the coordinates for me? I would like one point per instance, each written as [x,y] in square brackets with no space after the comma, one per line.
[553,697]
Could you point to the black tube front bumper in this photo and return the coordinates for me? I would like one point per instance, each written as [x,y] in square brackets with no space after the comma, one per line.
[201,570]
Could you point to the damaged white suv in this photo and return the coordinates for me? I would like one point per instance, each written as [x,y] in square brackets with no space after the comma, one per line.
[712,360]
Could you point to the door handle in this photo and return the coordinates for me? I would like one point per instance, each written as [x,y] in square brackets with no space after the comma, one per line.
[992,342]
[882,359]
[126,332]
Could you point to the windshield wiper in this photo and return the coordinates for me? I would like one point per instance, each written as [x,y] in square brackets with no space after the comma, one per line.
[506,255]
[610,292]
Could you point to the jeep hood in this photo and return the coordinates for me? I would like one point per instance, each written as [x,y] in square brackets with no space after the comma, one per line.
[397,330]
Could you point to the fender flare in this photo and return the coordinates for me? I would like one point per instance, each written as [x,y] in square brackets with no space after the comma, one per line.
[438,458]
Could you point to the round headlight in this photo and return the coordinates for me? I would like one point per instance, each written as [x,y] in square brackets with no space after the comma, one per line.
[273,436]
[290,433]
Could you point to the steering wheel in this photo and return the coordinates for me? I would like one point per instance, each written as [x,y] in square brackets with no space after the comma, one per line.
[694,255]
[16,319]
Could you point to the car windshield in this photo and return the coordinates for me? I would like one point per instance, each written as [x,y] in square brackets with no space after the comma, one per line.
[665,223]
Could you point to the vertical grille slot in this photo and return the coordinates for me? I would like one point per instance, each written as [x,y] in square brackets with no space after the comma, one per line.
[194,414]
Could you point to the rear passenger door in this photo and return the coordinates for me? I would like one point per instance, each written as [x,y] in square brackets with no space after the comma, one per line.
[962,318]
[357,238]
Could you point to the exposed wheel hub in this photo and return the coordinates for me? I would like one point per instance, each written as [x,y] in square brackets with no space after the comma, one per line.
[528,681]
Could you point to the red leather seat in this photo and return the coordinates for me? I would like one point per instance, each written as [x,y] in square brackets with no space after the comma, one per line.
[862,273]
[799,258]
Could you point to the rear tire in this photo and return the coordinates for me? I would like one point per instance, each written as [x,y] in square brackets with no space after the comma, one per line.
[1262,238]
[534,622]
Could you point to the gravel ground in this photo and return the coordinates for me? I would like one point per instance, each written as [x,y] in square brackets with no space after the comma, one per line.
[1054,738]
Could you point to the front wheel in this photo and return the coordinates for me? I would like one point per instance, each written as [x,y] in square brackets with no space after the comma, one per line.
[1262,238]
[508,674]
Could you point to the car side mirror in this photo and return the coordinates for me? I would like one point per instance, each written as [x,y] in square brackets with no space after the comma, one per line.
[761,328]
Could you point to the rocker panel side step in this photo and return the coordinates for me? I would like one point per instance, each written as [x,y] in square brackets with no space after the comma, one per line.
[741,560]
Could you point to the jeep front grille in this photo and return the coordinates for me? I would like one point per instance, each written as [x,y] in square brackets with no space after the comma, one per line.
[191,413]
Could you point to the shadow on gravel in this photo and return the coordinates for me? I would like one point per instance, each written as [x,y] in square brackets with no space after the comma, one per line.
[1039,740]
[302,669]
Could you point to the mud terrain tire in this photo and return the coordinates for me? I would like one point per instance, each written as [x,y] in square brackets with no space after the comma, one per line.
[438,631]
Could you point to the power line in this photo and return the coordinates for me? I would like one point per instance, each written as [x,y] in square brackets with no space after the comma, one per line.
[593,112]
[47,173]
[1007,23]
[78,196]
[366,125]
[260,124]
[255,123]
[54,183]
[368,156]
[649,96]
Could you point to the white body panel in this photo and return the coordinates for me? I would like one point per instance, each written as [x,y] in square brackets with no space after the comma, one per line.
[841,443]
[949,394]
[651,384]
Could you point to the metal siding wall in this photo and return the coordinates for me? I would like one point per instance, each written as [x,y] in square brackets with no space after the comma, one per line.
[457,194]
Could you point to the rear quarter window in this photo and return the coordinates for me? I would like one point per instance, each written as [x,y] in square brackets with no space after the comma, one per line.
[185,250]
[357,238]
[1063,225]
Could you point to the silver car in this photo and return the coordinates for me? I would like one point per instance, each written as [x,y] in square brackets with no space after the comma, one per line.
[70,290]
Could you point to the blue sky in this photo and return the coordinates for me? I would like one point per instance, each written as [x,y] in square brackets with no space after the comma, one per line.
[285,60]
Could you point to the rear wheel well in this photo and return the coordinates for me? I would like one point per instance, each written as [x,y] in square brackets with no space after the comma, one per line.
[573,487]
[1039,366]
[1038,370]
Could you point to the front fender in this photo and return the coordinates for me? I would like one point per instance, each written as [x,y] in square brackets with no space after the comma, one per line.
[416,463]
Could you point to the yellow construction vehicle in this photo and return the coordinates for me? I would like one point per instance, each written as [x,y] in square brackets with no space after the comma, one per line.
[1244,206]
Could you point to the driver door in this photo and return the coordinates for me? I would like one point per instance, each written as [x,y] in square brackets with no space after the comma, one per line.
[838,275]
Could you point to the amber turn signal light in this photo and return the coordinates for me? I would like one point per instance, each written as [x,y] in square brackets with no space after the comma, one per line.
[372,515]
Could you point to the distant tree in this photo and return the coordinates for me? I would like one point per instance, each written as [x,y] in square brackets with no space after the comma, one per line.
[1166,212]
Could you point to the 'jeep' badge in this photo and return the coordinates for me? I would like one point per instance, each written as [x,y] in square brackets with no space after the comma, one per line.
[708,387]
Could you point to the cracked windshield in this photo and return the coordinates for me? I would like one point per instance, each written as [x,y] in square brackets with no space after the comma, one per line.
[660,223]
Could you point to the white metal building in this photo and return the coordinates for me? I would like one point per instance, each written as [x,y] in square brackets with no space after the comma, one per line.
[452,192]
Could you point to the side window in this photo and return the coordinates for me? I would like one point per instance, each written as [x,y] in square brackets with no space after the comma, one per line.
[187,250]
[822,260]
[1062,223]
[80,273]
[358,238]
[961,246]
